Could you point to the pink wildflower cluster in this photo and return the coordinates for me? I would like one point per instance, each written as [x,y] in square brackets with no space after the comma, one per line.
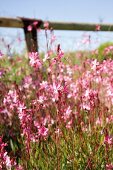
[46,25]
[5,161]
[109,166]
[58,98]
[108,140]
[61,91]
[108,50]
[11,99]
[98,28]
[34,60]
[33,25]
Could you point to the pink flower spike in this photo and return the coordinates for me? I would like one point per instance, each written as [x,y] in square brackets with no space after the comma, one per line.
[35,23]
[43,131]
[29,28]
[109,167]
[97,28]
[53,38]
[108,140]
[46,25]
[34,60]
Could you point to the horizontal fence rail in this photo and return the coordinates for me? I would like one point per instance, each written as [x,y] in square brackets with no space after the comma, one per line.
[31,36]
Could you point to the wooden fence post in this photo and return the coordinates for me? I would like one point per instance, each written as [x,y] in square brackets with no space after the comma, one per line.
[31,35]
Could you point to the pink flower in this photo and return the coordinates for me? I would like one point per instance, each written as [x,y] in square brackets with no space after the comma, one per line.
[98,121]
[67,113]
[86,39]
[55,91]
[46,25]
[58,132]
[108,140]
[35,23]
[29,28]
[11,99]
[44,85]
[60,53]
[34,60]
[53,38]
[69,124]
[21,108]
[94,64]
[109,166]
[108,50]
[19,167]
[27,81]
[5,160]
[42,99]
[47,55]
[97,28]
[43,131]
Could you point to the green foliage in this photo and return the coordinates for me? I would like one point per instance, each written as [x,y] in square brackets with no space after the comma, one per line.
[15,68]
[101,48]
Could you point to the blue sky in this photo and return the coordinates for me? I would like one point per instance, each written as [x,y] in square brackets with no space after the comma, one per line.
[61,10]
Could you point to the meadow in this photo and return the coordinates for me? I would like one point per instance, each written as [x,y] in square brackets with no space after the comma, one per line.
[56,110]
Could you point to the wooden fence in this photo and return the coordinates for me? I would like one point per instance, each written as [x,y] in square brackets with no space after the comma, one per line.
[31,36]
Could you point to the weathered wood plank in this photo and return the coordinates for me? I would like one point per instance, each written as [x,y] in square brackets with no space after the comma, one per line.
[18,23]
[80,26]
[11,22]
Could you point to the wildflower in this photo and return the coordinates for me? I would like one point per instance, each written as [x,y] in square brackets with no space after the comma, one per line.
[109,166]
[94,64]
[47,55]
[69,124]
[11,99]
[53,38]
[98,121]
[35,23]
[108,140]
[19,167]
[97,28]
[46,25]
[34,60]
[58,132]
[21,107]
[67,113]
[108,50]
[42,131]
[5,160]
[60,53]
[41,99]
[44,85]
[55,89]
[27,81]
[29,28]
[86,39]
